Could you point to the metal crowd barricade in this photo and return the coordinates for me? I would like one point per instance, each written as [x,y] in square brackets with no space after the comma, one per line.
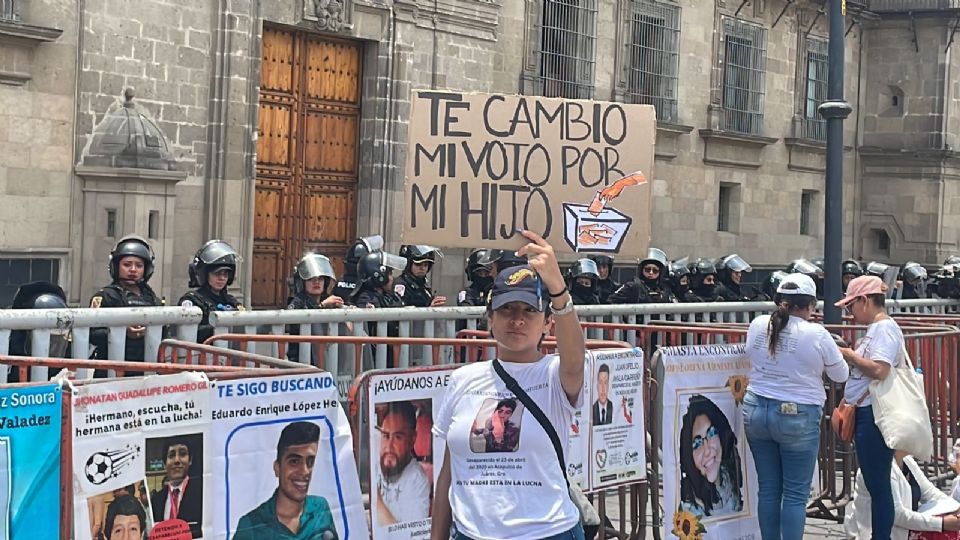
[42,322]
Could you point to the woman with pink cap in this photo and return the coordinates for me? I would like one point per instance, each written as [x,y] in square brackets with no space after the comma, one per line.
[881,349]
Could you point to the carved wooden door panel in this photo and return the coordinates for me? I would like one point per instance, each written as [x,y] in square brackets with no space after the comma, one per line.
[306,183]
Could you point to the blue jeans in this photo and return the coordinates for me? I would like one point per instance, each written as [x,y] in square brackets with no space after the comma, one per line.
[784,448]
[875,463]
[576,533]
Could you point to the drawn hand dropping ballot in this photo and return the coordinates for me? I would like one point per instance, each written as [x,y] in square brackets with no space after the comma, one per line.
[595,227]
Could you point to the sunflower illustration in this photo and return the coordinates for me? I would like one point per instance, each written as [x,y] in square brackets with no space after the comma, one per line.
[738,387]
[687,526]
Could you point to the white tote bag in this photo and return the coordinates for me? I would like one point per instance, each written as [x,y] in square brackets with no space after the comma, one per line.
[900,411]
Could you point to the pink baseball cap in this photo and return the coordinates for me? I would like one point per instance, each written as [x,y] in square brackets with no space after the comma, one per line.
[862,286]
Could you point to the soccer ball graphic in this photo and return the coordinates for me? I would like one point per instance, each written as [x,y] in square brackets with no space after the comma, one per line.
[99,468]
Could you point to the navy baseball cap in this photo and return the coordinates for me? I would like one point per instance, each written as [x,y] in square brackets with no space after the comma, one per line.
[517,284]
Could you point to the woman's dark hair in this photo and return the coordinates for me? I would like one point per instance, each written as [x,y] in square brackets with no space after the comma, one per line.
[779,318]
[879,299]
[509,403]
[693,485]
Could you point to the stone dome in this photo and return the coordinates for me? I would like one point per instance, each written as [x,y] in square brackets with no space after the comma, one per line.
[128,137]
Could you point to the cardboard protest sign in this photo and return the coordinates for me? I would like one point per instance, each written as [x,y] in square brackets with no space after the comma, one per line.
[282,445]
[405,457]
[140,458]
[30,461]
[617,433]
[710,478]
[481,166]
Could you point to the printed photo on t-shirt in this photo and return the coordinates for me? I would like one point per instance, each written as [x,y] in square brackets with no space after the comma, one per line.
[497,426]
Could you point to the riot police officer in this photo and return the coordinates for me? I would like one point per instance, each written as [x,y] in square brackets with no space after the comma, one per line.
[806,267]
[582,280]
[772,282]
[478,274]
[679,278]
[606,285]
[849,270]
[312,277]
[413,286]
[348,283]
[946,281]
[703,283]
[211,271]
[131,266]
[730,272]
[876,269]
[375,290]
[501,259]
[913,278]
[38,295]
[650,284]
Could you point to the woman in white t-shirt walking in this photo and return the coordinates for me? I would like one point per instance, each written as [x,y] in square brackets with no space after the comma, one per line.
[784,404]
[877,352]
[513,491]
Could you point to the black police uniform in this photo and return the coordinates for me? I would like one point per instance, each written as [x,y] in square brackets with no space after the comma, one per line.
[208,300]
[367,297]
[299,301]
[115,295]
[412,290]
[346,286]
[605,288]
[638,292]
[583,296]
[703,293]
[734,292]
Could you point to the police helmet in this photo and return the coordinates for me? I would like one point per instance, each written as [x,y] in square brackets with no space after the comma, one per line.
[214,255]
[656,256]
[135,246]
[773,282]
[420,253]
[820,263]
[310,266]
[362,246]
[851,267]
[680,268]
[952,260]
[913,272]
[584,268]
[505,259]
[603,260]
[375,268]
[39,295]
[803,266]
[877,269]
[734,263]
[704,267]
[475,261]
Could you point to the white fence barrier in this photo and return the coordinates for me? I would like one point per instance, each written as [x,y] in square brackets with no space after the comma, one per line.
[442,322]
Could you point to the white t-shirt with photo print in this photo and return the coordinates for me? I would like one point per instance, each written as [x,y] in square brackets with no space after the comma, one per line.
[882,343]
[519,494]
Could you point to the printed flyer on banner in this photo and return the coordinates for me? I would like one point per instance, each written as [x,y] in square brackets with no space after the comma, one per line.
[405,457]
[578,446]
[281,446]
[617,435]
[710,482]
[140,458]
[30,462]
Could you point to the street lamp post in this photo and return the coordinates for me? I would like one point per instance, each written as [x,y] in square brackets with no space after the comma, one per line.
[835,109]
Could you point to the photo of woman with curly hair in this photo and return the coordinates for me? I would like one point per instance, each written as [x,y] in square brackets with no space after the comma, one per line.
[710,466]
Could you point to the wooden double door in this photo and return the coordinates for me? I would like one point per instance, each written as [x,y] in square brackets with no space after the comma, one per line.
[306,180]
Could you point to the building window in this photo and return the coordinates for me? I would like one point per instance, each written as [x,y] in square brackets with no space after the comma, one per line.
[15,272]
[814,126]
[807,199]
[883,242]
[566,58]
[727,200]
[111,223]
[153,224]
[744,71]
[654,56]
[9,11]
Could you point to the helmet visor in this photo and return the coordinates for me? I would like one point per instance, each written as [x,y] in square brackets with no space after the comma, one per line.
[914,272]
[421,253]
[393,261]
[586,268]
[313,266]
[737,264]
[374,243]
[218,253]
[807,267]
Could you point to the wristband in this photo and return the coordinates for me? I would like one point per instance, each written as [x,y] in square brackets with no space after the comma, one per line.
[559,294]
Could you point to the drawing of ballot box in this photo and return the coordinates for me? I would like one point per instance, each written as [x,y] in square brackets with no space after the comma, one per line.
[585,231]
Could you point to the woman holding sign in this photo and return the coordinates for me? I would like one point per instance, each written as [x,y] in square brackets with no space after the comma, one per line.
[517,491]
[784,403]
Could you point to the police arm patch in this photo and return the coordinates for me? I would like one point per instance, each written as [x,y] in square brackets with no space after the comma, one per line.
[461,296]
[400,289]
[96,301]
[186,303]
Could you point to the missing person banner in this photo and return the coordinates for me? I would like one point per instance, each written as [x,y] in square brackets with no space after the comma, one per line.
[617,433]
[281,447]
[481,166]
[405,457]
[710,482]
[140,458]
[30,461]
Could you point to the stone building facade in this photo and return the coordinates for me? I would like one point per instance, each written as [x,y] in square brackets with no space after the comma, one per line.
[283,123]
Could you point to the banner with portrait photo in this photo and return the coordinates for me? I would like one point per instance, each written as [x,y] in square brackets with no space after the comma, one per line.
[139,458]
[30,461]
[405,457]
[282,446]
[617,433]
[710,481]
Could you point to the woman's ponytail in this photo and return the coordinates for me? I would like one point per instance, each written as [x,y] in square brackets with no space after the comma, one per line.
[786,304]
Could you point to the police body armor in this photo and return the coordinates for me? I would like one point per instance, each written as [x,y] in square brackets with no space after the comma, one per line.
[209,301]
[413,290]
